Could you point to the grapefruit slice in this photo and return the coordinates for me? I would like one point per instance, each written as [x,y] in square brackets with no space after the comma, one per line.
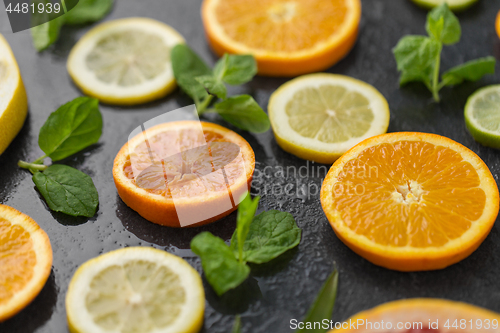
[184,172]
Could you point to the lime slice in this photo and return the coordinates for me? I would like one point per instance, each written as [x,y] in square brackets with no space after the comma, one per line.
[320,116]
[135,290]
[455,5]
[125,61]
[482,116]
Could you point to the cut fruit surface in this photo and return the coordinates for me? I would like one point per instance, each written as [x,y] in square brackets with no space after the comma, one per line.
[482,116]
[320,116]
[135,290]
[455,5]
[184,173]
[13,99]
[125,61]
[410,201]
[25,261]
[424,315]
[286,37]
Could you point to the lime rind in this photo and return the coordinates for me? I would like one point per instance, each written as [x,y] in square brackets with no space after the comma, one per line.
[455,5]
[490,110]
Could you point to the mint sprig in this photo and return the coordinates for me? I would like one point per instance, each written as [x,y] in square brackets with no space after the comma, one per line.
[85,11]
[204,85]
[257,240]
[419,57]
[72,127]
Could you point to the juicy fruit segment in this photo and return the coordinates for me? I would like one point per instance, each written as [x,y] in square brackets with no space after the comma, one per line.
[329,113]
[405,197]
[17,259]
[482,116]
[25,261]
[132,297]
[287,37]
[278,25]
[456,5]
[424,315]
[128,58]
[410,201]
[135,290]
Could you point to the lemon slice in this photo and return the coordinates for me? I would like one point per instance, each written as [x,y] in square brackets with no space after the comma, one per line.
[125,61]
[135,290]
[13,99]
[455,5]
[319,117]
[482,116]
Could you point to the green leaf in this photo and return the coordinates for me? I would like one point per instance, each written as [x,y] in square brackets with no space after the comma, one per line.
[88,11]
[443,25]
[187,66]
[235,69]
[213,86]
[243,112]
[472,71]
[222,270]
[271,234]
[237,325]
[46,34]
[73,127]
[416,58]
[322,307]
[246,213]
[67,190]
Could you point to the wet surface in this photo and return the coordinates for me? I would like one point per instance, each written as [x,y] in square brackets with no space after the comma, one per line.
[283,289]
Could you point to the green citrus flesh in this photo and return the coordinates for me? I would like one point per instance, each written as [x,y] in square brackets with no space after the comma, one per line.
[482,116]
[455,5]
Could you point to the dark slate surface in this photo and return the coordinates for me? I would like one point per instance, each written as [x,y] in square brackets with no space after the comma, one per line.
[283,289]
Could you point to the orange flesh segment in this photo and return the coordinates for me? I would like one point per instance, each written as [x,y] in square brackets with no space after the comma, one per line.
[17,259]
[399,194]
[281,25]
[193,172]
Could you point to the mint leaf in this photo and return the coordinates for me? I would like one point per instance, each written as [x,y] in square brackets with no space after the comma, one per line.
[46,34]
[213,86]
[443,25]
[416,58]
[271,234]
[187,66]
[67,190]
[71,128]
[235,69]
[322,307]
[88,11]
[222,270]
[246,213]
[472,71]
[243,112]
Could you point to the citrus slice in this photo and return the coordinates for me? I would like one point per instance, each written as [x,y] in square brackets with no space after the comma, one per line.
[286,37]
[482,116]
[497,24]
[135,290]
[125,61]
[25,261]
[410,201]
[423,315]
[455,5]
[13,99]
[319,117]
[184,173]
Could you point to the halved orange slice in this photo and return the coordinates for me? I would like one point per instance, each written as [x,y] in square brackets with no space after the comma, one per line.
[410,201]
[286,37]
[25,261]
[184,173]
[423,315]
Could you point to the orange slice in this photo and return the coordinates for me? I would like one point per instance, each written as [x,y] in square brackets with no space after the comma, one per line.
[25,261]
[184,173]
[497,24]
[423,315]
[410,201]
[286,37]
